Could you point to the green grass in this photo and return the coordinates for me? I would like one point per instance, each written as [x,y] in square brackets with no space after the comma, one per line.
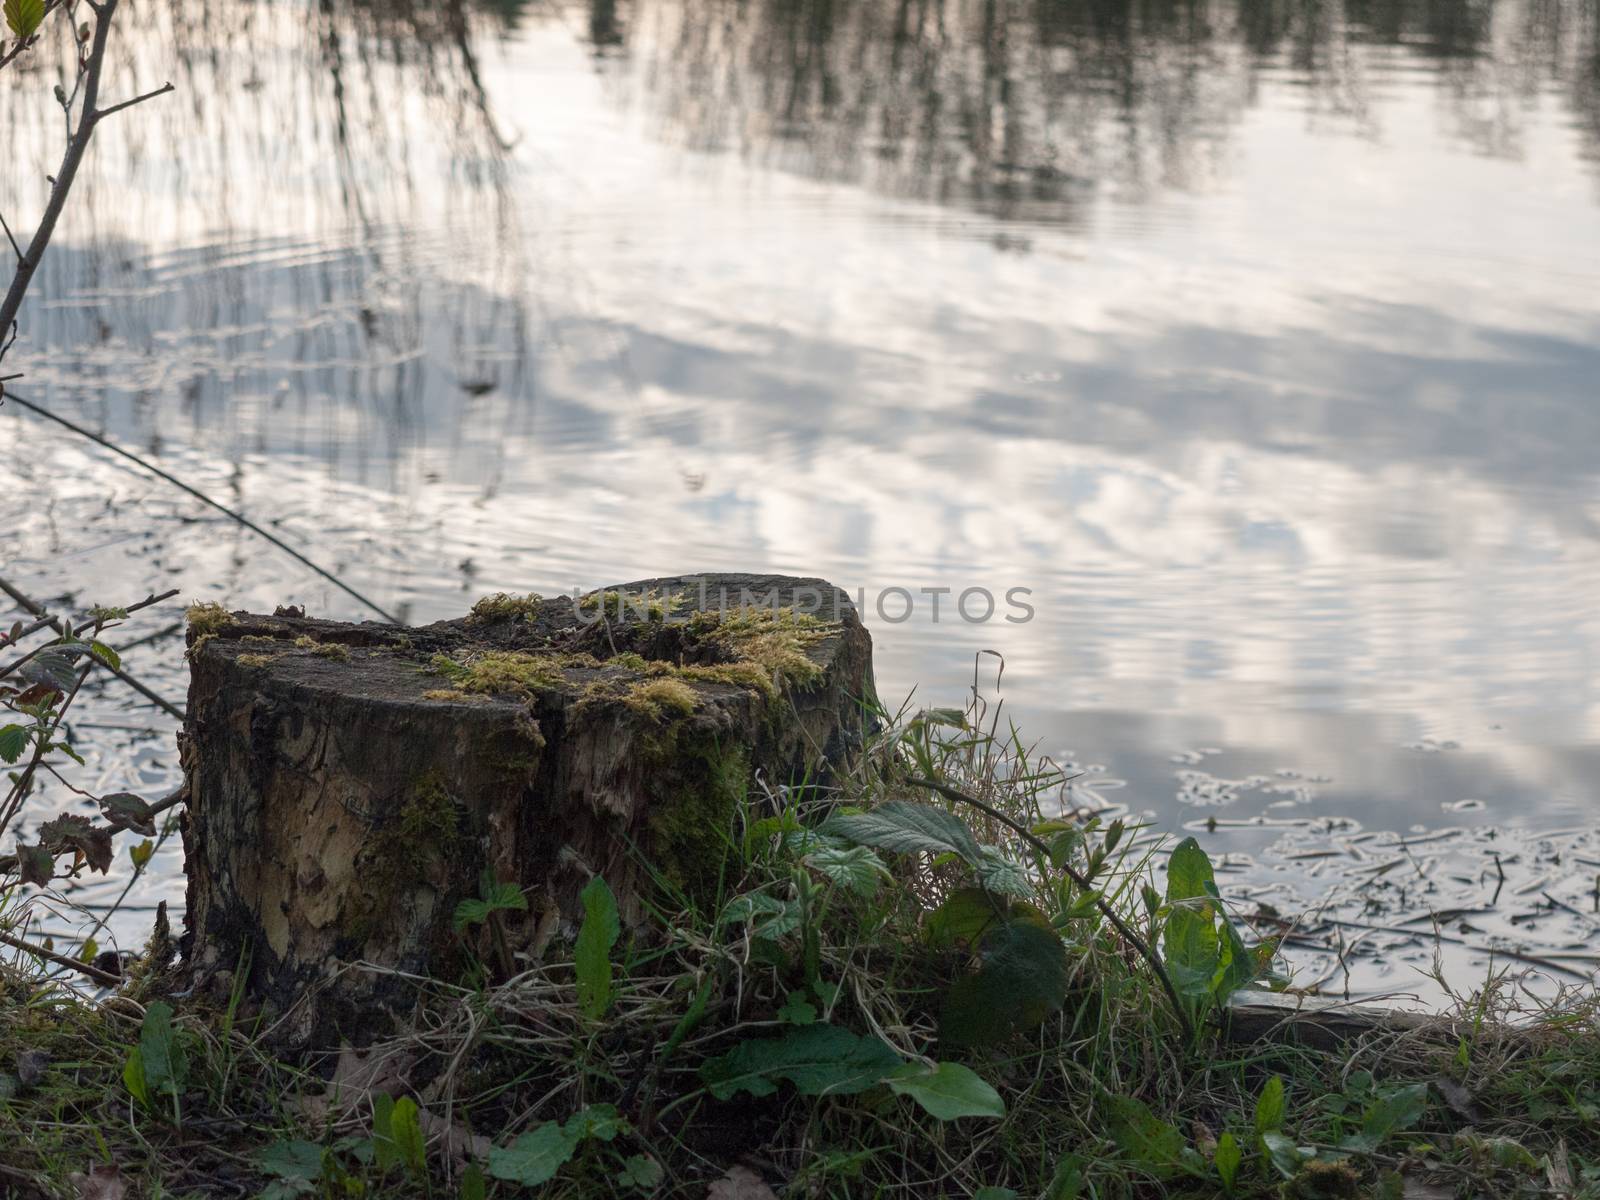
[885,993]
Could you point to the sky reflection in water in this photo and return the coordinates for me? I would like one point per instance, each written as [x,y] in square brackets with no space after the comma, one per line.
[1258,340]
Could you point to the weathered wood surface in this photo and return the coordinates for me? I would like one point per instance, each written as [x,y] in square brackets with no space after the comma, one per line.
[350,783]
[1322,1023]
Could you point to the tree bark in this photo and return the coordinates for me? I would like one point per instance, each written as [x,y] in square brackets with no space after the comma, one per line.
[351,784]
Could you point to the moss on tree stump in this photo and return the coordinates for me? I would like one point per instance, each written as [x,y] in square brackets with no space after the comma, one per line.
[350,784]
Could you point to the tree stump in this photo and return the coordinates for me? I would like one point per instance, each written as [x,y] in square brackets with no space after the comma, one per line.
[349,785]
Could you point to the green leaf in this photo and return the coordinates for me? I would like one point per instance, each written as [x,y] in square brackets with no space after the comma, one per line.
[817,1059]
[797,1010]
[592,955]
[385,1150]
[106,654]
[1283,1153]
[1271,1106]
[854,868]
[23,16]
[469,912]
[964,917]
[292,1159]
[947,1091]
[533,1158]
[1145,1138]
[769,917]
[1022,979]
[13,741]
[1207,964]
[405,1130]
[641,1171]
[1226,1158]
[51,668]
[995,1193]
[1393,1110]
[133,1077]
[596,1121]
[907,827]
[140,853]
[1067,1182]
[473,1186]
[165,1069]
[998,873]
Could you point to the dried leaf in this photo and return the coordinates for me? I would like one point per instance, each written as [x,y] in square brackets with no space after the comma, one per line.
[103,1182]
[35,864]
[127,811]
[740,1183]
[30,1067]
[72,832]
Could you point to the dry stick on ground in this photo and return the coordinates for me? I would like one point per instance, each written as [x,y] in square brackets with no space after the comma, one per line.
[61,960]
[1146,951]
[62,627]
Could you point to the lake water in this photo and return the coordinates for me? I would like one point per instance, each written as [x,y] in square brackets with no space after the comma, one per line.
[1259,341]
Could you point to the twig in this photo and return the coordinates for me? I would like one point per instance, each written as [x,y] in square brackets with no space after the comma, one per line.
[62,626]
[7,394]
[61,960]
[116,108]
[1146,951]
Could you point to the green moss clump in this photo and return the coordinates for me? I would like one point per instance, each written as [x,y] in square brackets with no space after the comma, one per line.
[206,620]
[508,672]
[661,697]
[336,651]
[652,606]
[502,606]
[255,660]
[767,645]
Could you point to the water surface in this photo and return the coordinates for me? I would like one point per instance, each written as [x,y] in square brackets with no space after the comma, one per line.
[1257,340]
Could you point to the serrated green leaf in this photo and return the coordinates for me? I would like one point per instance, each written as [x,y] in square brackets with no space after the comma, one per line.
[641,1171]
[469,912]
[13,741]
[23,16]
[907,827]
[947,1091]
[854,868]
[817,1060]
[105,654]
[592,954]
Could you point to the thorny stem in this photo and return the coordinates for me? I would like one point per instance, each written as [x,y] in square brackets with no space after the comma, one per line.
[1146,951]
